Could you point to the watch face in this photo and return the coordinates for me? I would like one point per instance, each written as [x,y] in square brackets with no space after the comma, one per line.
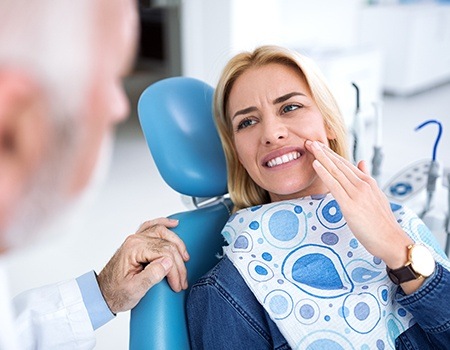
[421,260]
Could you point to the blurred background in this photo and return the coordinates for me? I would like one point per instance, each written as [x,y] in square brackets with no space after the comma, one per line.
[396,52]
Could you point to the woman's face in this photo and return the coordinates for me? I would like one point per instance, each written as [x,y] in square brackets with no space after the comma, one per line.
[272,114]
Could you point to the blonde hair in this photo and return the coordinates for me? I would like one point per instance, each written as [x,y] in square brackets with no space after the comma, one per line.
[244,192]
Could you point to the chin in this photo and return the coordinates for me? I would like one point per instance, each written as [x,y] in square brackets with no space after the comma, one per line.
[296,190]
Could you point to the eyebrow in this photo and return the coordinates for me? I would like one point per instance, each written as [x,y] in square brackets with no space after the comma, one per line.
[244,111]
[287,97]
[276,101]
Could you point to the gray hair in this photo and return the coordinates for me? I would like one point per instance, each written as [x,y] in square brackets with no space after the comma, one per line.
[50,41]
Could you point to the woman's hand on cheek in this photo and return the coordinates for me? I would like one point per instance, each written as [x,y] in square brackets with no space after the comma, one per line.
[364,206]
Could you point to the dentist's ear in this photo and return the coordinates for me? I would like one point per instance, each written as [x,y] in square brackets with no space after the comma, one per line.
[23,133]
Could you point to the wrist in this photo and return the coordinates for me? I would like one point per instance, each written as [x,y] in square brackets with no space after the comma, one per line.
[419,265]
[395,252]
[103,285]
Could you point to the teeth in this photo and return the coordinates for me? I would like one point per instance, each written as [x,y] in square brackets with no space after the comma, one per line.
[285,158]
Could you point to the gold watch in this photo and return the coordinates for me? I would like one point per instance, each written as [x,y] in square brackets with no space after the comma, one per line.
[420,264]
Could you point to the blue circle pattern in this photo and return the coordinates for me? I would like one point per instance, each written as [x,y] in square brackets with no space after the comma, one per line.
[307,311]
[254,225]
[329,214]
[330,238]
[260,270]
[241,242]
[266,256]
[283,225]
[306,248]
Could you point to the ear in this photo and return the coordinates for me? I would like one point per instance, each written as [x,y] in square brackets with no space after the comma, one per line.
[23,134]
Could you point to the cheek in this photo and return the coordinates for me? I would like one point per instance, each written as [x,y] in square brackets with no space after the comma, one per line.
[109,105]
[314,132]
[244,151]
[97,124]
[87,157]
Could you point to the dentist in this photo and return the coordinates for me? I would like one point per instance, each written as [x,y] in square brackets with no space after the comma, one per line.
[61,69]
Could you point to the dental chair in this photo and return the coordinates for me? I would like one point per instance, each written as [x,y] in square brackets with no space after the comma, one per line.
[176,119]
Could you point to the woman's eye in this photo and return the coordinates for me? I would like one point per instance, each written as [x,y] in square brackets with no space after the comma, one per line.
[245,123]
[290,108]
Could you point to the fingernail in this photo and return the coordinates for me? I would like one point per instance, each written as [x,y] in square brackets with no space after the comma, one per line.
[166,263]
[308,143]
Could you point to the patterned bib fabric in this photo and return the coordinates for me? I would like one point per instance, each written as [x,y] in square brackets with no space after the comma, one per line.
[317,282]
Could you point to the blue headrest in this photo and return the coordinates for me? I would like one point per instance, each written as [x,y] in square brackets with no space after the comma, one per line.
[176,118]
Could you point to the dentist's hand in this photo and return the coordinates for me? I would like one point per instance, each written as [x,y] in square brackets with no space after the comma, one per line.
[364,206]
[142,261]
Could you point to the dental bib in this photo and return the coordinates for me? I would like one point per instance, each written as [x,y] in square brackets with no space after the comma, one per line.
[316,281]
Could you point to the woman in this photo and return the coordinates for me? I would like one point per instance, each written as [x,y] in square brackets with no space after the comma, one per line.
[313,238]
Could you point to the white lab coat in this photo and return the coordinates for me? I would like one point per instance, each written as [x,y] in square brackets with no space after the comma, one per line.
[50,317]
[8,338]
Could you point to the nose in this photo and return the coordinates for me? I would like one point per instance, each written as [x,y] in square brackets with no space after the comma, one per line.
[118,104]
[273,131]
[122,105]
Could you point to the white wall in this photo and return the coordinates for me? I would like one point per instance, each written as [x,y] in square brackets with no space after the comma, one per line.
[327,30]
[418,54]
[318,24]
[213,30]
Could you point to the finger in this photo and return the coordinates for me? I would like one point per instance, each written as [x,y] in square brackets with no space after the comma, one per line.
[333,165]
[359,181]
[170,223]
[355,175]
[177,276]
[159,247]
[356,170]
[174,269]
[362,165]
[362,179]
[155,228]
[155,272]
[176,281]
[364,183]
[330,181]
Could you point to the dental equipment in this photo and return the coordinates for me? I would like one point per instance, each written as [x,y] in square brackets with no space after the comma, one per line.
[357,130]
[447,221]
[377,158]
[433,172]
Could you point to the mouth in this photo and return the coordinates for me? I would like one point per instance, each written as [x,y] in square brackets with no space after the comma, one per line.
[283,159]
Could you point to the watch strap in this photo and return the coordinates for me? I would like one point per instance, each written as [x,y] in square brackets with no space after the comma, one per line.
[402,274]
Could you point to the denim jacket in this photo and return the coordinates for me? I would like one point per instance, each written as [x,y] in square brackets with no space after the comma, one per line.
[223,313]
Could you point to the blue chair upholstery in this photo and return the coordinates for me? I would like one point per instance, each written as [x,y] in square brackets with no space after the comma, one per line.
[176,119]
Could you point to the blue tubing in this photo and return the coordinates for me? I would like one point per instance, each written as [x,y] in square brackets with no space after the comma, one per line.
[432,121]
